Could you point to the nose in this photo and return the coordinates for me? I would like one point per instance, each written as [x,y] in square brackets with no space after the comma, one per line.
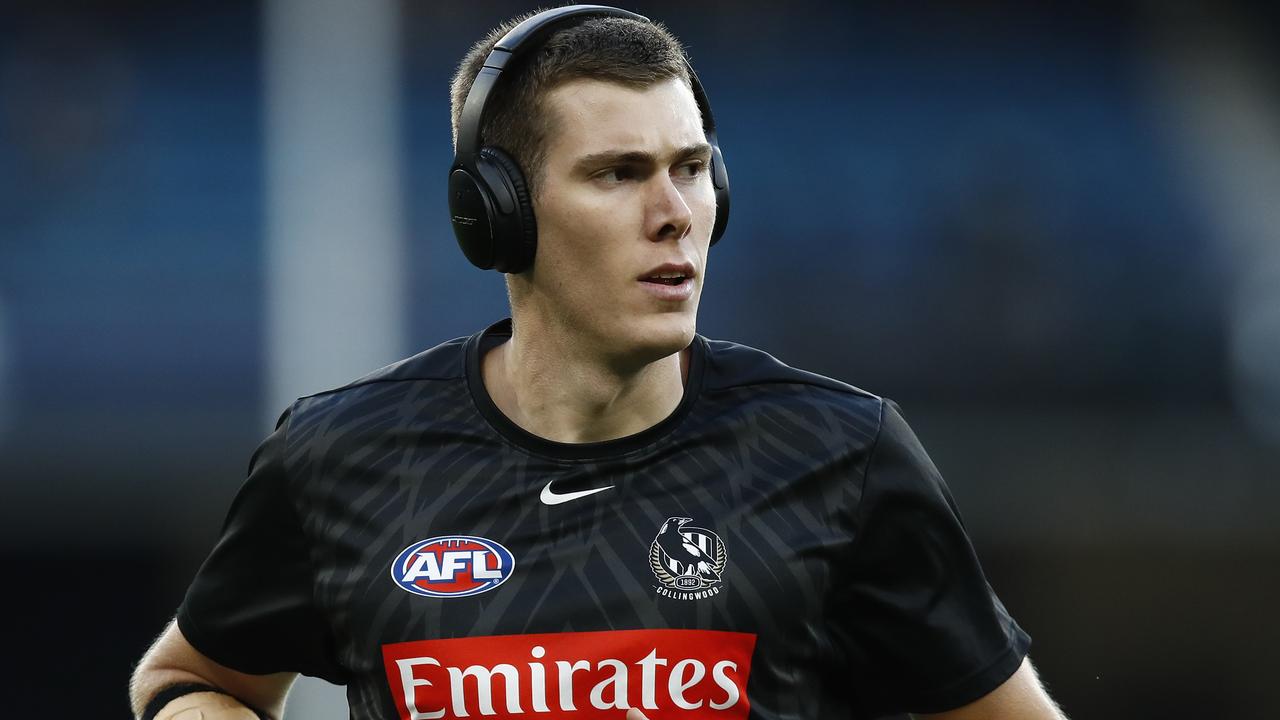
[667,214]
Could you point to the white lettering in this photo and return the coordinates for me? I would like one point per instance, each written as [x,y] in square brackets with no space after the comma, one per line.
[649,666]
[676,684]
[618,682]
[484,688]
[409,682]
[539,680]
[566,672]
[726,684]
[474,689]
[454,561]
[427,565]
[480,571]
[432,571]
[687,594]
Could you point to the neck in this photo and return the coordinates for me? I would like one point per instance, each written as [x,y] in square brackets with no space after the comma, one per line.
[552,385]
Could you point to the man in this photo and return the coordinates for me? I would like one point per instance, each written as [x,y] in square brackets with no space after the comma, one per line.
[591,511]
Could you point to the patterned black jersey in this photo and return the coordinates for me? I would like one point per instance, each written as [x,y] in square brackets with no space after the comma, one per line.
[780,546]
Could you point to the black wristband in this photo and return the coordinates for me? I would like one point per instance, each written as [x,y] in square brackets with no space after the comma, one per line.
[173,692]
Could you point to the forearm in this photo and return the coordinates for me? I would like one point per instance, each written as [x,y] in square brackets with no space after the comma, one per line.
[148,683]
[1021,697]
[204,706]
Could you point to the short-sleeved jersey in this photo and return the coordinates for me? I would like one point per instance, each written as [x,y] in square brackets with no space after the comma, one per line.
[780,546]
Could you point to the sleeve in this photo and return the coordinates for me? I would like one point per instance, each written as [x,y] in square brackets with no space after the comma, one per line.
[251,605]
[923,629]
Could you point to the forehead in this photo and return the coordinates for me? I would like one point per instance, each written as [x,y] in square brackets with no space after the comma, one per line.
[589,116]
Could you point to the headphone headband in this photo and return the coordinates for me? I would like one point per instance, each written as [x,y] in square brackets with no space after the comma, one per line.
[529,33]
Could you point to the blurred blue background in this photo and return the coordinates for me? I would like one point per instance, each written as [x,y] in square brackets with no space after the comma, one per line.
[1050,231]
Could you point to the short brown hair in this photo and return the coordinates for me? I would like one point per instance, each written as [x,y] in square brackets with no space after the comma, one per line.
[628,52]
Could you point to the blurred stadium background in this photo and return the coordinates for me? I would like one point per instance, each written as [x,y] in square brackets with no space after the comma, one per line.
[1051,231]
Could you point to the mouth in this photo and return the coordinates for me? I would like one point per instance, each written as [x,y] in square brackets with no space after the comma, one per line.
[671,274]
[665,279]
[670,282]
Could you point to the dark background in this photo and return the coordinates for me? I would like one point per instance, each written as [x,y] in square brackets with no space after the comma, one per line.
[1050,231]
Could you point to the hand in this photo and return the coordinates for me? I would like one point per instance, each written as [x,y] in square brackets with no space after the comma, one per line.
[634,714]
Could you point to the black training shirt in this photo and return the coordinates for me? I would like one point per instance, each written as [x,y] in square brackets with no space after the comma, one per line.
[779,547]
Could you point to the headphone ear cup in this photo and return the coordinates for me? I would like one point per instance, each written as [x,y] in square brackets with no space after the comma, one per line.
[472,217]
[515,231]
[720,181]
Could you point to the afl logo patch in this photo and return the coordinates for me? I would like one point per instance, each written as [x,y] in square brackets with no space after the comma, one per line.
[688,561]
[452,566]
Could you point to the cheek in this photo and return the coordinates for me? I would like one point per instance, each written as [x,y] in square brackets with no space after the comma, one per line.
[583,231]
[574,248]
[705,210]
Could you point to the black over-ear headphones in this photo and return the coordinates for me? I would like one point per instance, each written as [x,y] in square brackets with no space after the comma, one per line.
[489,200]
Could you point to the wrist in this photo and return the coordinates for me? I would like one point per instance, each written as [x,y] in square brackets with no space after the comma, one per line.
[174,702]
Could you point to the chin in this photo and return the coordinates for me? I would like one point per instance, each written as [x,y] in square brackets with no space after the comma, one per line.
[656,337]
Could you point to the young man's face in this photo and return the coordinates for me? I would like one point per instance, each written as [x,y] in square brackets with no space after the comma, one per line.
[625,196]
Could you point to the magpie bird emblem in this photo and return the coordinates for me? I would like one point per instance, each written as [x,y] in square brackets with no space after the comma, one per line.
[685,558]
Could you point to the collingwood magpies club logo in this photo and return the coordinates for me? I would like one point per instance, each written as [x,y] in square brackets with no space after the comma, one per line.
[688,561]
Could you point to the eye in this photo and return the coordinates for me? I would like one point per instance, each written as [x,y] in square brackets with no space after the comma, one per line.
[615,175]
[691,169]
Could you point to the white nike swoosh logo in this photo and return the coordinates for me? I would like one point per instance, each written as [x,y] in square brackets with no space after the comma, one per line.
[553,498]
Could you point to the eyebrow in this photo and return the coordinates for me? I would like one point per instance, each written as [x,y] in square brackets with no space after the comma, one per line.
[636,157]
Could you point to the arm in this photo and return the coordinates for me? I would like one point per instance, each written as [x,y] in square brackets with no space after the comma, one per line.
[250,606]
[172,660]
[1021,697]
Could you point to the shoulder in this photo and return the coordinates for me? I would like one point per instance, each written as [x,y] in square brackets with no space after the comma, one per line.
[733,365]
[441,365]
[756,378]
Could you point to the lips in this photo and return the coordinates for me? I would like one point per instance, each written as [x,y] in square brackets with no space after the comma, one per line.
[669,274]
[669,282]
